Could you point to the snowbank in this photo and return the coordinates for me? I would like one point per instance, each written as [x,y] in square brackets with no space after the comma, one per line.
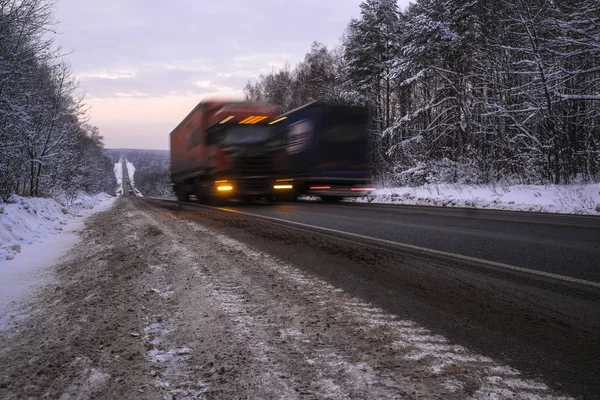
[25,220]
[567,199]
[118,170]
[130,171]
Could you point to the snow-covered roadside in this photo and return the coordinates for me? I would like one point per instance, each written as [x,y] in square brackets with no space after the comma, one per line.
[118,170]
[26,220]
[566,199]
[34,233]
[130,171]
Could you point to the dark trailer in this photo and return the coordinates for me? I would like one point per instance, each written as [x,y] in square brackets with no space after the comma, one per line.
[327,150]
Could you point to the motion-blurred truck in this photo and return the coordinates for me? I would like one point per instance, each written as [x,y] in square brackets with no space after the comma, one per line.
[225,150]
[327,150]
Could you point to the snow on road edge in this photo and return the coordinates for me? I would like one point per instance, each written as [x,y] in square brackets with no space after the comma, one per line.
[130,171]
[118,170]
[25,221]
[34,234]
[564,199]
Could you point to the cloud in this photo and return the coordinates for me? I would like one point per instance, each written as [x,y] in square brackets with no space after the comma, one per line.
[202,84]
[241,73]
[108,74]
[132,94]
[183,65]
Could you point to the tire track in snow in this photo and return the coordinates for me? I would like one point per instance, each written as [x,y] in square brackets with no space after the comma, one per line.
[160,334]
[222,295]
[226,295]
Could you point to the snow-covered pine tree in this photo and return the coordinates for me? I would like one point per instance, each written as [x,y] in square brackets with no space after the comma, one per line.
[371,48]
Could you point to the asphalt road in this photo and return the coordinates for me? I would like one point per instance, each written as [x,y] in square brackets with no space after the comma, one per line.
[125,179]
[567,245]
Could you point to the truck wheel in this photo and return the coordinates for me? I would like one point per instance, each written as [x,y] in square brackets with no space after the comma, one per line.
[331,199]
[247,199]
[182,194]
[215,200]
[287,197]
[185,197]
[200,192]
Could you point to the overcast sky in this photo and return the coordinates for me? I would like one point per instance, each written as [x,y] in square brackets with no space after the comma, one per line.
[144,64]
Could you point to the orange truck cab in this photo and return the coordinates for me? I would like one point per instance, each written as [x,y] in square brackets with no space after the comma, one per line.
[225,150]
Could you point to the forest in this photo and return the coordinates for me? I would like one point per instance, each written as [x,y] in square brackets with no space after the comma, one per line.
[463,91]
[47,148]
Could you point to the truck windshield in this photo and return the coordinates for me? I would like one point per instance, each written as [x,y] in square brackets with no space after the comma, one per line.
[344,132]
[249,134]
[344,124]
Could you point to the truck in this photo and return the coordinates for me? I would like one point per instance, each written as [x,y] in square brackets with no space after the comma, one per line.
[227,149]
[327,151]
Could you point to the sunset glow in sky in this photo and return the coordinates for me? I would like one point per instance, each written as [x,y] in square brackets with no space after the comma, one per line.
[143,65]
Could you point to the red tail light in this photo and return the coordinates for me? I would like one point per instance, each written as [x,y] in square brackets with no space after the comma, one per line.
[320,187]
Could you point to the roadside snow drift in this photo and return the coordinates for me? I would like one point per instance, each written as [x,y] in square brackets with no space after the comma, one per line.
[567,199]
[26,220]
[130,171]
[118,170]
